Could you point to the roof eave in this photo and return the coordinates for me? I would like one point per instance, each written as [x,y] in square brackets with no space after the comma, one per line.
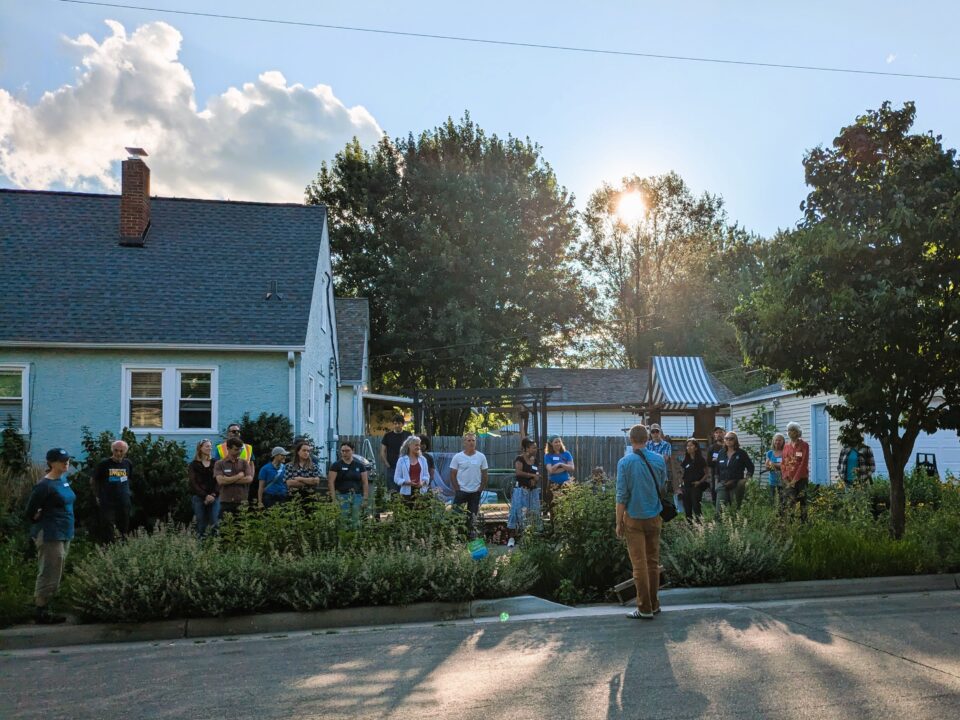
[150,346]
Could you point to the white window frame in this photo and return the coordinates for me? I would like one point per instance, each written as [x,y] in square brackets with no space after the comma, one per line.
[311,397]
[24,369]
[170,393]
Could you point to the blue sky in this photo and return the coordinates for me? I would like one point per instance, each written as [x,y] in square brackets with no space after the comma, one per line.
[736,131]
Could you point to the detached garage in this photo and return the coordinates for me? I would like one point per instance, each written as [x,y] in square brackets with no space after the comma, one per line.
[821,431]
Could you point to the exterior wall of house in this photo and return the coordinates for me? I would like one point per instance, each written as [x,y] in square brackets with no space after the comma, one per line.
[792,408]
[70,389]
[317,362]
[593,423]
[350,407]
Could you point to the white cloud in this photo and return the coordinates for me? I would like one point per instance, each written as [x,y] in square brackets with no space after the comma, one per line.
[890,58]
[263,141]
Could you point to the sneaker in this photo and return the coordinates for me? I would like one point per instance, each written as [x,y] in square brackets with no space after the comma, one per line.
[45,617]
[511,543]
[657,611]
[637,615]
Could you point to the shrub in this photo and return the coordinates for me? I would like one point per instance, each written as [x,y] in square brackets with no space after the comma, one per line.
[725,551]
[171,574]
[578,555]
[14,455]
[17,574]
[265,433]
[158,486]
[304,527]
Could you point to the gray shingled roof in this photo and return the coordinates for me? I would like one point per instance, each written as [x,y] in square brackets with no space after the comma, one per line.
[353,325]
[599,386]
[200,279]
[759,392]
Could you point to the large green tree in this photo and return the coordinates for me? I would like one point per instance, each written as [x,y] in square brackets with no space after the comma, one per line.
[864,298]
[461,240]
[669,269]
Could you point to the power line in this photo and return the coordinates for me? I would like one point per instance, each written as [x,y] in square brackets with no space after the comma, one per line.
[510,43]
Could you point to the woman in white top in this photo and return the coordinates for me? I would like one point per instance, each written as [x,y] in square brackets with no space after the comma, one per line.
[413,473]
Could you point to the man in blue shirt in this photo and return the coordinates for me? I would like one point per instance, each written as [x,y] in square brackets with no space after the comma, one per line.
[661,446]
[641,477]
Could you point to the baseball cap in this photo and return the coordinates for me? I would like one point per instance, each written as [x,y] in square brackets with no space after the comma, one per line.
[654,426]
[57,455]
[278,451]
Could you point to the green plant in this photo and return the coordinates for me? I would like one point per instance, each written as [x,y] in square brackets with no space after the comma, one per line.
[158,485]
[17,574]
[758,426]
[14,455]
[170,573]
[266,432]
[726,551]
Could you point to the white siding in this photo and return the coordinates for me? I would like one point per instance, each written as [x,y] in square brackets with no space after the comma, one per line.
[592,423]
[943,443]
[677,426]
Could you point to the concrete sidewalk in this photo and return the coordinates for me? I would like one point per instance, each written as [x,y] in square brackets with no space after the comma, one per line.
[525,606]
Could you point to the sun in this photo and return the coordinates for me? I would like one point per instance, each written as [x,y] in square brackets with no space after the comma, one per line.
[631,207]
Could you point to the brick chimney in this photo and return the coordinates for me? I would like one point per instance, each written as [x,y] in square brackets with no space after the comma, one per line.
[135,199]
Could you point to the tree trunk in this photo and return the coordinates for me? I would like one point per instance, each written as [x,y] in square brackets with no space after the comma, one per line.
[897,501]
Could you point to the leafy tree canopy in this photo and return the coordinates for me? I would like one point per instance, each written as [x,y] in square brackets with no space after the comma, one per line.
[461,241]
[864,299]
[668,274]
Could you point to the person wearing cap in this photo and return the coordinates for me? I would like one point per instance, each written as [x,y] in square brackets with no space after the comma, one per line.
[273,487]
[662,447]
[111,491]
[204,491]
[50,513]
[348,484]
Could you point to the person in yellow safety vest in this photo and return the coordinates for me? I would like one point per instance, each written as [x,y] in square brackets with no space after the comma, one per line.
[220,451]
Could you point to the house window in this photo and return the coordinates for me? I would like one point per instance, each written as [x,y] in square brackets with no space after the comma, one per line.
[196,399]
[311,394]
[13,397]
[146,399]
[170,399]
[769,418]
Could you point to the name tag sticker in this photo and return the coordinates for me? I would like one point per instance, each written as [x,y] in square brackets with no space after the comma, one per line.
[716,455]
[799,454]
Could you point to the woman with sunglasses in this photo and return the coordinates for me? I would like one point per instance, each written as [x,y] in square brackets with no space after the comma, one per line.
[734,466]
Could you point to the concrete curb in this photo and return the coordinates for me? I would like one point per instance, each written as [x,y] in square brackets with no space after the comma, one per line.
[38,636]
[810,589]
[43,636]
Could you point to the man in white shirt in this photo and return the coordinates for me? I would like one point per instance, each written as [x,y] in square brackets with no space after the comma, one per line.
[468,477]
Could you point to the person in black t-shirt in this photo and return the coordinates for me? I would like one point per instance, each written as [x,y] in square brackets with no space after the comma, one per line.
[694,479]
[111,491]
[525,500]
[390,449]
[348,483]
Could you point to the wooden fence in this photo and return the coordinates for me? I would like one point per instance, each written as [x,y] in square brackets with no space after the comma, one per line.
[588,452]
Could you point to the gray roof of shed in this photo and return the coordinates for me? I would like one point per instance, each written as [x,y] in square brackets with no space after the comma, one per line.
[201,278]
[759,393]
[353,325]
[599,386]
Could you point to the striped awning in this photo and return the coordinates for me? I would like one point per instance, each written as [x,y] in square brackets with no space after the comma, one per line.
[680,383]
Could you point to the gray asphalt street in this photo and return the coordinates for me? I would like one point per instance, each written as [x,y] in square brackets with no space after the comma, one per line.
[873,657]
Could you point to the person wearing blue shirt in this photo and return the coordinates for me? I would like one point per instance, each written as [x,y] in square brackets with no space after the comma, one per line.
[660,445]
[50,512]
[774,465]
[559,462]
[273,487]
[641,477]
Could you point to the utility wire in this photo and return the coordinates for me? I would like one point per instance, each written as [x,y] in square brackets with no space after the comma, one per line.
[509,43]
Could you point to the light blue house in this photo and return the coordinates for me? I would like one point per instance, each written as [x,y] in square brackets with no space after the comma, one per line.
[168,316]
